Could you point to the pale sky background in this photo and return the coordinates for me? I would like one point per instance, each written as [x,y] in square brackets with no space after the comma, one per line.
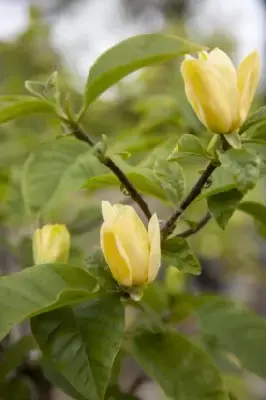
[89,29]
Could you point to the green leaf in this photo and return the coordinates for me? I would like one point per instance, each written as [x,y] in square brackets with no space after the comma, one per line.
[82,343]
[55,171]
[255,210]
[20,108]
[58,380]
[98,268]
[183,369]
[48,90]
[39,289]
[130,55]
[155,297]
[15,354]
[260,150]
[222,205]
[171,178]
[238,330]
[254,119]
[188,145]
[222,180]
[245,166]
[234,140]
[179,254]
[141,178]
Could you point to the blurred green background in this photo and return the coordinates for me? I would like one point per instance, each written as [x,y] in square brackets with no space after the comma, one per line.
[142,117]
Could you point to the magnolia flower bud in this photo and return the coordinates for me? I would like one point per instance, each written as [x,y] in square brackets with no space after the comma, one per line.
[219,94]
[51,244]
[132,253]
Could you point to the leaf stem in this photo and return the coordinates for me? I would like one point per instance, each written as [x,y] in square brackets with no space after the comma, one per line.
[80,134]
[196,228]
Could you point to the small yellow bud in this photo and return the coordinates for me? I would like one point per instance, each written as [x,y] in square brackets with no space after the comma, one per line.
[132,253]
[220,95]
[51,244]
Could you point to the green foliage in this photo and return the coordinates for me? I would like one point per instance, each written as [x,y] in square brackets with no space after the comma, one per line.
[238,331]
[22,106]
[131,55]
[82,343]
[244,165]
[142,178]
[170,177]
[223,205]
[56,171]
[39,289]
[188,146]
[255,210]
[59,174]
[254,119]
[182,369]
[179,254]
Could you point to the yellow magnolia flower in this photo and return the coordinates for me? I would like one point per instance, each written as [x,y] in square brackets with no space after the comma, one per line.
[132,253]
[51,244]
[219,94]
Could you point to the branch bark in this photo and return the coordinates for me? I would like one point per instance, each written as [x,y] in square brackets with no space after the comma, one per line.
[170,224]
[80,134]
[196,228]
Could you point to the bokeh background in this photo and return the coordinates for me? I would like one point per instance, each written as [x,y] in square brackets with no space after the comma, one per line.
[142,115]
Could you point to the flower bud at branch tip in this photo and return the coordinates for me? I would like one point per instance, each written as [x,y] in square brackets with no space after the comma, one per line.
[132,252]
[51,244]
[220,94]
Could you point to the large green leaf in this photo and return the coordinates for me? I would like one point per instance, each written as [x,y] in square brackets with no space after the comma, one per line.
[238,330]
[130,55]
[58,380]
[82,343]
[178,254]
[22,106]
[254,119]
[222,205]
[141,178]
[41,288]
[171,178]
[183,370]
[55,171]
[255,210]
[244,165]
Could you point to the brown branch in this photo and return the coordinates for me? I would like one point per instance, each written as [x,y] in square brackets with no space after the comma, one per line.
[170,224]
[196,228]
[78,132]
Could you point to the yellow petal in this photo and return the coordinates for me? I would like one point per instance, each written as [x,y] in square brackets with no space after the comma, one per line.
[223,63]
[108,212]
[248,79]
[155,247]
[115,256]
[133,236]
[51,243]
[208,94]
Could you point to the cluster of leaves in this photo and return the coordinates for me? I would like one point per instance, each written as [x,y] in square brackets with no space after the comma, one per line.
[76,310]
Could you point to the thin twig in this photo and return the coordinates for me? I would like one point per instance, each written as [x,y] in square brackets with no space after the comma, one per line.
[78,132]
[196,228]
[134,194]
[169,225]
